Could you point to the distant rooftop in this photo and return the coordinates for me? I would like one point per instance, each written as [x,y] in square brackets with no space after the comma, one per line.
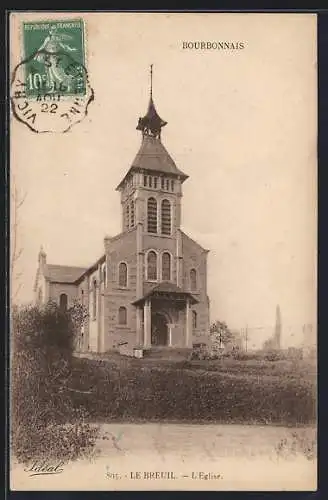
[63,274]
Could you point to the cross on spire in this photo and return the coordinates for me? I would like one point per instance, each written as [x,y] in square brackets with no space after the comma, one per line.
[151,81]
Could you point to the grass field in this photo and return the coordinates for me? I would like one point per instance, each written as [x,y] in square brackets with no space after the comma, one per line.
[251,366]
[227,391]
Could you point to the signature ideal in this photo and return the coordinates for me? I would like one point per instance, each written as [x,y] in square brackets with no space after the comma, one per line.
[43,467]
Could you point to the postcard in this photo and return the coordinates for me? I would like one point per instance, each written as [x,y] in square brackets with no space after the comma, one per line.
[163,180]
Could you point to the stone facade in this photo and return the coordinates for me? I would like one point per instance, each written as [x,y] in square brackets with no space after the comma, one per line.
[149,288]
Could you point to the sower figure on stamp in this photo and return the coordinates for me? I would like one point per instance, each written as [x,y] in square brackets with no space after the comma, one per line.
[49,54]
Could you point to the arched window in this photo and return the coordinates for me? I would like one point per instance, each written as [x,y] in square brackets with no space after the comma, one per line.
[166,217]
[63,301]
[94,299]
[127,216]
[152,266]
[152,215]
[194,320]
[104,275]
[193,279]
[166,266]
[123,275]
[122,316]
[132,214]
[162,182]
[172,185]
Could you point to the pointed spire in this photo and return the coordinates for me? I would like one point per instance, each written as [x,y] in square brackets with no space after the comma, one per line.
[277,333]
[151,124]
[42,256]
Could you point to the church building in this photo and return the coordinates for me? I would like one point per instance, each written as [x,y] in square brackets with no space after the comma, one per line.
[149,288]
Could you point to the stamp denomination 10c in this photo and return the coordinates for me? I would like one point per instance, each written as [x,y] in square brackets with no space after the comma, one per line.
[50,87]
[54,47]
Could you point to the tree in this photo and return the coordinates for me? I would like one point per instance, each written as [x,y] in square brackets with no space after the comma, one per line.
[221,335]
[274,342]
[45,421]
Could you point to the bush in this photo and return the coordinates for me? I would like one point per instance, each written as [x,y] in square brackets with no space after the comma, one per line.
[301,441]
[41,371]
[242,355]
[294,353]
[53,441]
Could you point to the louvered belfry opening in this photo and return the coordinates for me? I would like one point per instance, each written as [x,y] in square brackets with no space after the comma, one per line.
[132,215]
[127,216]
[166,217]
[152,215]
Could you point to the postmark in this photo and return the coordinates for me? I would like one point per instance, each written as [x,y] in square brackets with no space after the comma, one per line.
[50,89]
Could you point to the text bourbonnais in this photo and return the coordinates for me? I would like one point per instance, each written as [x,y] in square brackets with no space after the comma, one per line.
[212,45]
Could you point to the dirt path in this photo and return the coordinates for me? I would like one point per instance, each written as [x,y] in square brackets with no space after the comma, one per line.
[188,457]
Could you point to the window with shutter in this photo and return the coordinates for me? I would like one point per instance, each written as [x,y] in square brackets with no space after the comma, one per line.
[122,275]
[166,266]
[152,266]
[122,316]
[152,215]
[166,217]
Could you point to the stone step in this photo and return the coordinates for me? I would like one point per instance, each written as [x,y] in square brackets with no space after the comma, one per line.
[164,352]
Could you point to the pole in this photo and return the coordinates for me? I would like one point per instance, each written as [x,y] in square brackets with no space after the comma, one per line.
[246,337]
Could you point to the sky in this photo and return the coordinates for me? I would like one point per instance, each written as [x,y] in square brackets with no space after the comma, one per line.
[241,124]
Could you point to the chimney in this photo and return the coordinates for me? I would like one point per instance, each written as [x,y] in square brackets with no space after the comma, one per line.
[107,241]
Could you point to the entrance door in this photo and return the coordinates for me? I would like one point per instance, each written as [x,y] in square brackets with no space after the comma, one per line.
[158,329]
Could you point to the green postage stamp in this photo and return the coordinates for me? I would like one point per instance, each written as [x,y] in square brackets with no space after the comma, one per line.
[50,86]
[54,54]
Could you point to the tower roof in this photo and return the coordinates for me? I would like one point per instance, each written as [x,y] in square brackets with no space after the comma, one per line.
[151,123]
[153,157]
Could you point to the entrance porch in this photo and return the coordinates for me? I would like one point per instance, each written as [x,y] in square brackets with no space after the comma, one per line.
[164,318]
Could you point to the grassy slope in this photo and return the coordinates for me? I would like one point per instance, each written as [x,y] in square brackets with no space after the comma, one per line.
[280,392]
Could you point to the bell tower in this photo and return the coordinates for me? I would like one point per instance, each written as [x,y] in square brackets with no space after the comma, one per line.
[151,190]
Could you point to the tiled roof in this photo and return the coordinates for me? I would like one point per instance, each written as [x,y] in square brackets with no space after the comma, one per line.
[63,274]
[166,287]
[152,156]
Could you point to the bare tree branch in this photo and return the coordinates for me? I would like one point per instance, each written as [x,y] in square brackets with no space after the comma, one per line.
[21,202]
[16,252]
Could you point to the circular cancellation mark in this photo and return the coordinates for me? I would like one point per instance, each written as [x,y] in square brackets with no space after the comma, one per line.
[54,100]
